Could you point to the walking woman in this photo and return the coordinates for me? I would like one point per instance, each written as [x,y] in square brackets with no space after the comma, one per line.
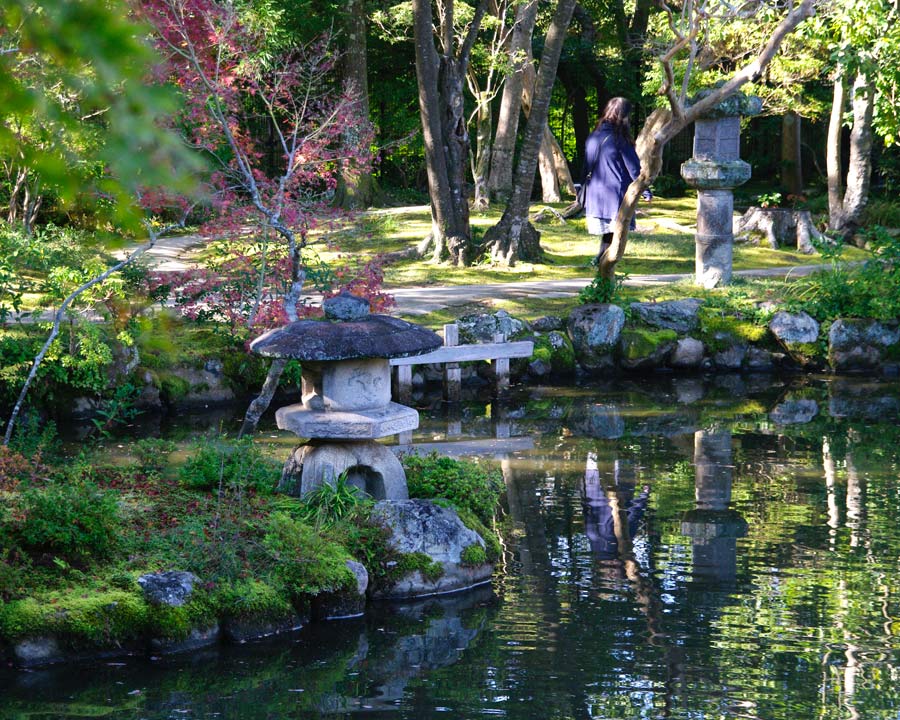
[610,164]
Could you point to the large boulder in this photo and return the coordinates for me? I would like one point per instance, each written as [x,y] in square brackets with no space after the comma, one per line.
[172,588]
[594,330]
[678,315]
[798,334]
[422,529]
[860,345]
[794,411]
[482,327]
[641,349]
[687,354]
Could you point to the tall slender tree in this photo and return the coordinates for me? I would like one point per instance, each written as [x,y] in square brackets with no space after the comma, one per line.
[441,80]
[514,238]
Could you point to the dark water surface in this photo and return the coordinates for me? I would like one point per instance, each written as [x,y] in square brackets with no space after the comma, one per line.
[686,548]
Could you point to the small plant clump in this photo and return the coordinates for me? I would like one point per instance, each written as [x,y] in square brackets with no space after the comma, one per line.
[467,485]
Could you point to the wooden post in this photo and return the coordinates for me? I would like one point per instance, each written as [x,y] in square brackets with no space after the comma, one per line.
[452,372]
[404,384]
[501,368]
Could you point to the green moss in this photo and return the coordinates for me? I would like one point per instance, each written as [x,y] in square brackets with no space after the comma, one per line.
[719,332]
[466,484]
[407,563]
[473,555]
[172,388]
[560,358]
[805,353]
[305,562]
[176,623]
[892,352]
[79,618]
[253,599]
[637,343]
[492,547]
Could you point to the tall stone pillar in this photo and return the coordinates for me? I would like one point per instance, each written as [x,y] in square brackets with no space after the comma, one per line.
[715,170]
[712,526]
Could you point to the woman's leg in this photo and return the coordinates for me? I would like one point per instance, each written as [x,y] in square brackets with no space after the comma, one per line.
[605,242]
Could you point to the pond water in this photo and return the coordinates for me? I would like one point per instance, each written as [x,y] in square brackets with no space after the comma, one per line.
[683,548]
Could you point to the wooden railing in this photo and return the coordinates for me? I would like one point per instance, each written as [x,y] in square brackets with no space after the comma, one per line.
[499,352]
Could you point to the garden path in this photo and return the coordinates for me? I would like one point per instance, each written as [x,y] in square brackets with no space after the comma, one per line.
[424,300]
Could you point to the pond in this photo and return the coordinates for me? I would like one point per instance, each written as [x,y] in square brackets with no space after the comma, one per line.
[680,548]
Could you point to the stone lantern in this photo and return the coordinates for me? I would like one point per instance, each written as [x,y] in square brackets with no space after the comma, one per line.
[713,526]
[346,401]
[715,170]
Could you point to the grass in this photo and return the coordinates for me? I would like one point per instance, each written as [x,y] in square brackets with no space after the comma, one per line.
[662,244]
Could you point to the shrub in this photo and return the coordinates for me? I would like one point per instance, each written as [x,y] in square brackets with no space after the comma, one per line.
[330,503]
[305,562]
[233,463]
[462,482]
[602,290]
[153,454]
[77,520]
[869,290]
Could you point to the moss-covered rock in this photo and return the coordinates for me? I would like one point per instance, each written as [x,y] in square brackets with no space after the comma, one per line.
[642,348]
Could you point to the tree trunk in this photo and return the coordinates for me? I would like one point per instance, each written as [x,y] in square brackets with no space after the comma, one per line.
[482,161]
[833,152]
[859,168]
[445,138]
[791,167]
[554,169]
[500,181]
[514,238]
[356,187]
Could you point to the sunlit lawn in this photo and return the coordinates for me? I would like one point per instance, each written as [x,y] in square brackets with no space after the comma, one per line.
[662,244]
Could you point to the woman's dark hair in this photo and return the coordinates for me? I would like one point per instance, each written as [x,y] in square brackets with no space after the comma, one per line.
[617,113]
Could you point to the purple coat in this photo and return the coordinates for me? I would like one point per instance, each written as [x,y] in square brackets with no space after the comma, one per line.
[612,163]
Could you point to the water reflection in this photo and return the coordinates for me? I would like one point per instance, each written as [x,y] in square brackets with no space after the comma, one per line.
[686,548]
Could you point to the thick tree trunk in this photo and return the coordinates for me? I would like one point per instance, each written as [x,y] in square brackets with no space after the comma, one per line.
[500,181]
[859,168]
[833,152]
[445,138]
[791,167]
[481,163]
[514,238]
[356,187]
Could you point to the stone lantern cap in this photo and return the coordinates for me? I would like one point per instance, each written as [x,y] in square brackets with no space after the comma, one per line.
[737,105]
[349,332]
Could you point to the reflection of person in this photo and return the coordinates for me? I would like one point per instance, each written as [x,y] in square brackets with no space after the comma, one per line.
[600,505]
[610,164]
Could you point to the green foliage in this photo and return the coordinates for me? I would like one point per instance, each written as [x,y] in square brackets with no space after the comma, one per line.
[669,186]
[76,520]
[332,502]
[230,464]
[867,290]
[492,548]
[305,563]
[153,454]
[462,482]
[603,290]
[473,555]
[884,212]
[769,199]
[407,563]
[253,600]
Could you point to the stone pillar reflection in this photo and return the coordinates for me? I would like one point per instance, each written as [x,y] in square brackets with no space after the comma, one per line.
[715,170]
[713,527]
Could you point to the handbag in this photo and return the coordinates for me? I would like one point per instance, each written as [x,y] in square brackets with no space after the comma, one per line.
[582,191]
